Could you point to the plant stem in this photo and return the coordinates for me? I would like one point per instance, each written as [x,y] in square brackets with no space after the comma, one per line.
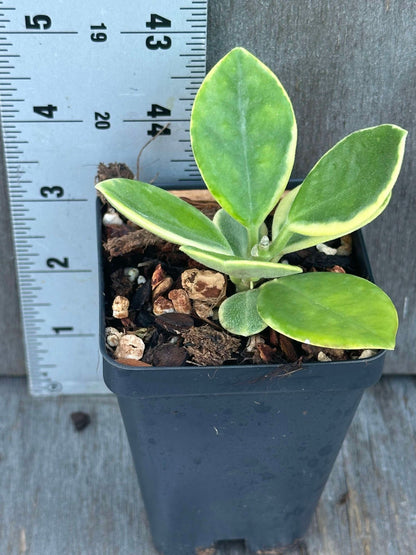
[241,284]
[279,243]
[253,238]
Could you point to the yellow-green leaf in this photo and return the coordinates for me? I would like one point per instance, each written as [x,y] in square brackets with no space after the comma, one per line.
[297,242]
[239,267]
[163,214]
[243,133]
[330,310]
[350,182]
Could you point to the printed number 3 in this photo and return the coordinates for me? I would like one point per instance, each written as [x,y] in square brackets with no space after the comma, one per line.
[153,44]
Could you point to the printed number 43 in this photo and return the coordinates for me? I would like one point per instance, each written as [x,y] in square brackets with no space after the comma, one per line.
[155,22]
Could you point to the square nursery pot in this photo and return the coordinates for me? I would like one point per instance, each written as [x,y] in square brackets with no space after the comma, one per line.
[236,452]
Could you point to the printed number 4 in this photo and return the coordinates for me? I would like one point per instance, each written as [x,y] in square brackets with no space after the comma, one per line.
[45,111]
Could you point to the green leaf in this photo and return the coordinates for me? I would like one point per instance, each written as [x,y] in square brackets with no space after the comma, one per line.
[235,233]
[350,182]
[243,133]
[239,267]
[238,314]
[330,310]
[297,242]
[163,214]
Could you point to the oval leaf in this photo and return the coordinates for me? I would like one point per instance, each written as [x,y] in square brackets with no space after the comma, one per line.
[298,242]
[163,214]
[330,310]
[240,268]
[243,133]
[349,183]
[238,314]
[235,233]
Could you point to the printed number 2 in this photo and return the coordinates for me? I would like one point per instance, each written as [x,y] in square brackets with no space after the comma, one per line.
[53,262]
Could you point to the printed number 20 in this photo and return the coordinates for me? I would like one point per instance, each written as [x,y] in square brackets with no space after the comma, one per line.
[102,121]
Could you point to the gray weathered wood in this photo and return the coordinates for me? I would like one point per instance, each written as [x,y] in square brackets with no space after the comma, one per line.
[75,493]
[346,65]
[12,360]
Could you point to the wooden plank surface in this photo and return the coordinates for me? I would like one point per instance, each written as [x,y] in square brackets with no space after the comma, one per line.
[12,360]
[75,493]
[346,65]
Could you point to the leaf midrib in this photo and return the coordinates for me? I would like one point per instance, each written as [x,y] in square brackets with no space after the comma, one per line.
[242,129]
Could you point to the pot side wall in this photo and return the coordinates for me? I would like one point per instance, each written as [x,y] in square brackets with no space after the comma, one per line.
[246,466]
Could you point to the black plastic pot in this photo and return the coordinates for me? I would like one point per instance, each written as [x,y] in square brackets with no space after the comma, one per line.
[236,452]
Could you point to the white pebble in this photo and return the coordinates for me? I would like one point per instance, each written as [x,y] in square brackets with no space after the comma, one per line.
[112,218]
[130,346]
[367,353]
[121,307]
[131,273]
[326,250]
[322,357]
[112,336]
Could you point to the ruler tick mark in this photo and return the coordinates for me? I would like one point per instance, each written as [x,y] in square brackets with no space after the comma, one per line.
[55,199]
[50,121]
[60,271]
[151,120]
[39,32]
[57,335]
[159,32]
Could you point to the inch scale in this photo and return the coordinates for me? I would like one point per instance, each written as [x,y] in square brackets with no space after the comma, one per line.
[83,83]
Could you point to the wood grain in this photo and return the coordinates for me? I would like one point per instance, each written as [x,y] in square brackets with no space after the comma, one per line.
[12,352]
[346,65]
[75,493]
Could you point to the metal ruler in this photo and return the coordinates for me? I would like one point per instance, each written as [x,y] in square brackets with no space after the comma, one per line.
[83,83]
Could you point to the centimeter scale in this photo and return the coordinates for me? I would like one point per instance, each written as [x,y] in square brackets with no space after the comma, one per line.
[83,83]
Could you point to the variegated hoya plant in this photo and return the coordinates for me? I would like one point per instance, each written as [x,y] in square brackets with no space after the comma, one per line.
[243,134]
